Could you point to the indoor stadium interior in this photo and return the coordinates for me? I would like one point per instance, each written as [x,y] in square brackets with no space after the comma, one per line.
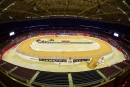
[64,43]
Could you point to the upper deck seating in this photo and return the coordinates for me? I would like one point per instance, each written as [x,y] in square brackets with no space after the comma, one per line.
[61,32]
[67,32]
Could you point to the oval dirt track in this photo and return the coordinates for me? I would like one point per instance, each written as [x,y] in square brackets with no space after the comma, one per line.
[24,48]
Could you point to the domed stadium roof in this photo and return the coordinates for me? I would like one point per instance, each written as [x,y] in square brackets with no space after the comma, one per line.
[115,11]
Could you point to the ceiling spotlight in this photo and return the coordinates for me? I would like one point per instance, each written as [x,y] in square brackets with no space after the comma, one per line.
[34,7]
[122,11]
[119,19]
[86,17]
[2,1]
[28,17]
[98,11]
[126,4]
[10,17]
[118,8]
[9,6]
[129,19]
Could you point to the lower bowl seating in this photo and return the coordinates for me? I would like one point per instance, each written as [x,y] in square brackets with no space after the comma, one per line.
[86,78]
[50,78]
[1,62]
[110,72]
[23,73]
[127,61]
[7,66]
[121,65]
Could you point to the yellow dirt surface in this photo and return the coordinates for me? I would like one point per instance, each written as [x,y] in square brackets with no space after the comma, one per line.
[105,48]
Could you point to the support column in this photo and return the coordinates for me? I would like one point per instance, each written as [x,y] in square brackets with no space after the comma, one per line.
[70,80]
[34,77]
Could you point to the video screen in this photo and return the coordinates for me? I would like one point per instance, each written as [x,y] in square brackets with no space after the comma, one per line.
[116,34]
[11,33]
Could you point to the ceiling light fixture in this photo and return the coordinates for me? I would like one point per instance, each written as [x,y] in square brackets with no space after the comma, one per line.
[2,1]
[98,9]
[119,19]
[129,19]
[34,7]
[122,11]
[126,4]
[9,6]
[10,17]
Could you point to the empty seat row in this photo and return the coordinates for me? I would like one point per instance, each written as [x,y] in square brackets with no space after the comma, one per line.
[7,66]
[121,65]
[24,73]
[51,78]
[127,61]
[86,78]
[2,61]
[110,72]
